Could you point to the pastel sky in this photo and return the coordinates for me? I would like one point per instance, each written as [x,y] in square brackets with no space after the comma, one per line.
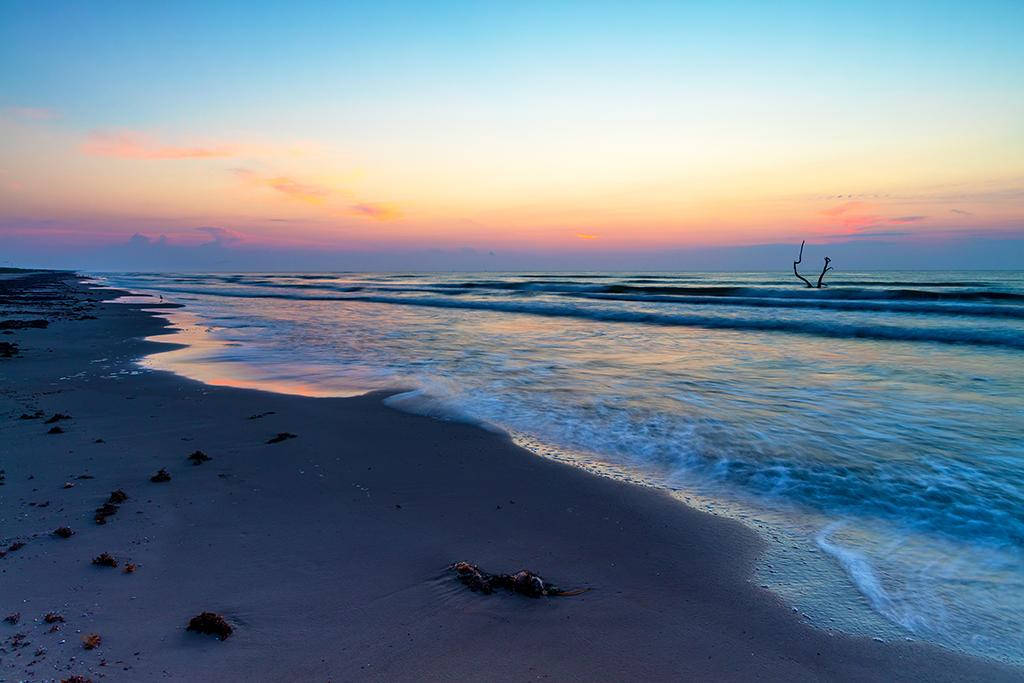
[574,130]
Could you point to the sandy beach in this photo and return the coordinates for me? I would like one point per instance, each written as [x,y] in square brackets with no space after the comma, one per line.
[329,551]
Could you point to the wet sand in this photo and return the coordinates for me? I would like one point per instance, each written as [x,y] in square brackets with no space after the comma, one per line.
[328,552]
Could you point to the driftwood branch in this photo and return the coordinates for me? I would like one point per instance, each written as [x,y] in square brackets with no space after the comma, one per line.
[799,259]
[824,270]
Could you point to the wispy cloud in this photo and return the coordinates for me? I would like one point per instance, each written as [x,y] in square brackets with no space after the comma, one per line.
[961,212]
[290,187]
[318,195]
[136,145]
[379,212]
[304,192]
[854,214]
[585,236]
[875,233]
[858,215]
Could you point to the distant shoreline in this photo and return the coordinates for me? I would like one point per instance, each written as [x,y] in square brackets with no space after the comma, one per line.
[328,551]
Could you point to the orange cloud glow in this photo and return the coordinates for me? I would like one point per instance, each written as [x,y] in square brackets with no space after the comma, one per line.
[291,188]
[380,212]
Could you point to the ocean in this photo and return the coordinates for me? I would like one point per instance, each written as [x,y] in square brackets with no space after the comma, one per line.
[872,432]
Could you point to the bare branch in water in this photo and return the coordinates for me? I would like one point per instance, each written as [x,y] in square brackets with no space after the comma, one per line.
[824,270]
[799,259]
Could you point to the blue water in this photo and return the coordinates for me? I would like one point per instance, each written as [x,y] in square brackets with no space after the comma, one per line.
[872,431]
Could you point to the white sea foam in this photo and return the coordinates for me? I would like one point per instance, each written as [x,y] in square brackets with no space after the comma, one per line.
[866,579]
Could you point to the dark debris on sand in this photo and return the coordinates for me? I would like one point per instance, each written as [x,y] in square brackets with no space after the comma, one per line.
[55,430]
[523,582]
[91,641]
[8,350]
[110,507]
[210,623]
[13,618]
[57,417]
[282,436]
[63,532]
[104,511]
[32,416]
[198,458]
[161,476]
[76,679]
[104,560]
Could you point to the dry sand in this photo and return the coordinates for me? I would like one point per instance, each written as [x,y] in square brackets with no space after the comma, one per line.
[328,552]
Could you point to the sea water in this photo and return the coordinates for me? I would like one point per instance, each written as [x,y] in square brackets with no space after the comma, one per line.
[871,431]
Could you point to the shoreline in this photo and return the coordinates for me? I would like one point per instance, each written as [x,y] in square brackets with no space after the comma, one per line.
[328,551]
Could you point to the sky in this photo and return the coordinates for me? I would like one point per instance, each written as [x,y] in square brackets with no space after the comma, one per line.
[456,135]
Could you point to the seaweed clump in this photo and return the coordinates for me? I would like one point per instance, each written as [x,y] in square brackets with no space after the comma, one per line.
[110,507]
[282,436]
[104,560]
[198,458]
[210,623]
[91,641]
[63,532]
[523,582]
[104,511]
[161,476]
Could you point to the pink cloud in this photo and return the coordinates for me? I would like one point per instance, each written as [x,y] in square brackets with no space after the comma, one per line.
[136,145]
[843,208]
[851,215]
